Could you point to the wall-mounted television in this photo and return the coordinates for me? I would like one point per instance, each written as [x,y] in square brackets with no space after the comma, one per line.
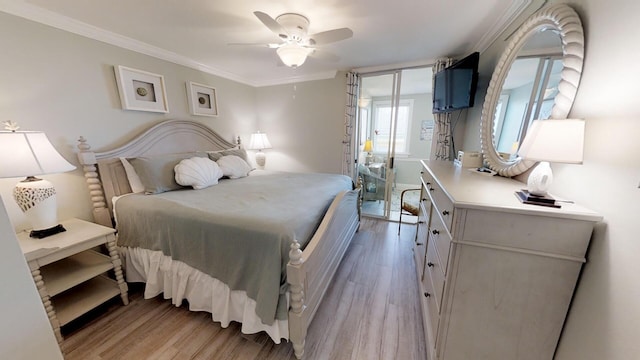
[454,87]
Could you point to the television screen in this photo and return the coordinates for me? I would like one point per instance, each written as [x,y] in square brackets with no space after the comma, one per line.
[454,87]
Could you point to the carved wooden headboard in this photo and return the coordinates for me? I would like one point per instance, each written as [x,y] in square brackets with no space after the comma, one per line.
[105,174]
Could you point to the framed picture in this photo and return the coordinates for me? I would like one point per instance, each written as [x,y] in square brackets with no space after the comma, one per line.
[141,90]
[202,99]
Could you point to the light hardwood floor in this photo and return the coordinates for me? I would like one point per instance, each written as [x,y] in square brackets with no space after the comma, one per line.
[371,311]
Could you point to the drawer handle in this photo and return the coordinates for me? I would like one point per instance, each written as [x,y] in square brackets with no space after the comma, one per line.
[445,213]
[419,244]
[428,183]
[430,264]
[435,232]
[421,172]
[427,294]
[431,189]
[420,222]
[424,199]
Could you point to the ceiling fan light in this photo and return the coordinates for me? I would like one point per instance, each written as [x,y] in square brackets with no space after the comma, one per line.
[293,55]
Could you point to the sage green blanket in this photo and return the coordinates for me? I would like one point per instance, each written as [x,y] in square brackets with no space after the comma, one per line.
[238,231]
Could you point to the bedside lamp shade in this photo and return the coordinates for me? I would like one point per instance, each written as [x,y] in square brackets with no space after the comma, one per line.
[29,153]
[368,146]
[258,142]
[560,141]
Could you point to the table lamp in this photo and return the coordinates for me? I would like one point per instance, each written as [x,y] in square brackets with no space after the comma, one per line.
[29,153]
[258,142]
[560,141]
[368,148]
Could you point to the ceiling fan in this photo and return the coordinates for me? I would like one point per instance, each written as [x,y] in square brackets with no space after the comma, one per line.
[296,43]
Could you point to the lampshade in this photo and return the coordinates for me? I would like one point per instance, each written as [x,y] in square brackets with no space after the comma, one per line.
[259,141]
[368,145]
[26,153]
[560,141]
[29,153]
[292,54]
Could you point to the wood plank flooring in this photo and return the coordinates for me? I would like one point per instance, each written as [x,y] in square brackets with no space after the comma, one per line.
[371,311]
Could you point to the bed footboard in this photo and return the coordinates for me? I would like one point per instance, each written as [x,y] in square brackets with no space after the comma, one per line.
[310,272]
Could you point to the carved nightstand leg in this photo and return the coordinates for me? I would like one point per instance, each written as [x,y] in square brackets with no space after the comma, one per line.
[46,301]
[117,268]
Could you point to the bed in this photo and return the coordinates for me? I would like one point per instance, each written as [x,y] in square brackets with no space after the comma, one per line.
[223,248]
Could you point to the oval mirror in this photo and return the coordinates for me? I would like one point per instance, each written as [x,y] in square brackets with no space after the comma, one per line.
[537,77]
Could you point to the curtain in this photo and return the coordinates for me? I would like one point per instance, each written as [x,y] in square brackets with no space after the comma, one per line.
[442,137]
[348,142]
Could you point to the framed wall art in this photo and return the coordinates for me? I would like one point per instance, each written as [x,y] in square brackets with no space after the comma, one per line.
[202,99]
[141,90]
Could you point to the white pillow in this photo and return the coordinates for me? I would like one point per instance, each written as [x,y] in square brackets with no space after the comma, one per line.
[234,167]
[197,172]
[134,180]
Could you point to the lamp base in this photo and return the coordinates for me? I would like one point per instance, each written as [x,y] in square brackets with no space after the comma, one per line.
[40,234]
[540,179]
[37,200]
[261,159]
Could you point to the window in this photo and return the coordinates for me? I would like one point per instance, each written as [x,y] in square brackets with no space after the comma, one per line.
[381,133]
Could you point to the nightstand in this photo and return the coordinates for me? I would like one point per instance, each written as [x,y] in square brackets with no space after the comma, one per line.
[70,275]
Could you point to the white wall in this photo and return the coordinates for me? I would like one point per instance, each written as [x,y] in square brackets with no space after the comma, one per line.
[305,124]
[25,331]
[605,313]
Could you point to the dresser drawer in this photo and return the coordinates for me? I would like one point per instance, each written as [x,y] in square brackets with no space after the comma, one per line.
[429,304]
[422,237]
[434,269]
[443,206]
[439,236]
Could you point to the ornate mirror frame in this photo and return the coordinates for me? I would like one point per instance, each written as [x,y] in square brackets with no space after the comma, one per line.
[564,20]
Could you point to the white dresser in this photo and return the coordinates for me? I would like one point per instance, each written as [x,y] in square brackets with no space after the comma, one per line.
[496,276]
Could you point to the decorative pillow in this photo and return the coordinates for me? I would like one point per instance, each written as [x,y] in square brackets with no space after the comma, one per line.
[198,172]
[156,172]
[234,167]
[216,155]
[132,176]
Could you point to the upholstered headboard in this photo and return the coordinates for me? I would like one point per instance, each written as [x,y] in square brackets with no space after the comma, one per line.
[105,174]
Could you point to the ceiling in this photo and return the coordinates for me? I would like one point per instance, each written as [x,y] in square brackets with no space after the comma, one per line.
[195,33]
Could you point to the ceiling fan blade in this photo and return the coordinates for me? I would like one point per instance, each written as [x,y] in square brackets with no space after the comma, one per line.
[270,46]
[324,55]
[271,23]
[329,36]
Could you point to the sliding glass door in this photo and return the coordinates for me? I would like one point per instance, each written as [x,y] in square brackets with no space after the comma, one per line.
[394,133]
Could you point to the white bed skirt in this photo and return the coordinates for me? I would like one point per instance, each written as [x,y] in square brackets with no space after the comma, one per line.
[179,281]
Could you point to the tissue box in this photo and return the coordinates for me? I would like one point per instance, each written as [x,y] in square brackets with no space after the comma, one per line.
[469,159]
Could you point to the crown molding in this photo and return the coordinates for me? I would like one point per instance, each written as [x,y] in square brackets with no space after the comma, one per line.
[504,21]
[396,66]
[297,79]
[46,17]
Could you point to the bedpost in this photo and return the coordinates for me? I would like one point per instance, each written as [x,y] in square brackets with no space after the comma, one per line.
[296,278]
[88,161]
